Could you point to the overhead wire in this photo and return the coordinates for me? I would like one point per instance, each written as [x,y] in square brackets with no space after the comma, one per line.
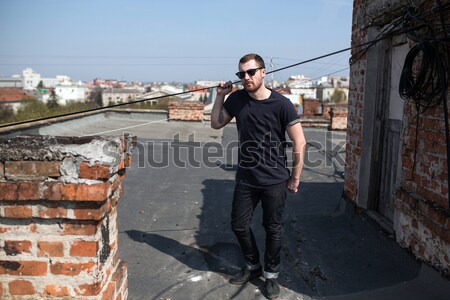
[364,47]
[179,93]
[159,97]
[325,67]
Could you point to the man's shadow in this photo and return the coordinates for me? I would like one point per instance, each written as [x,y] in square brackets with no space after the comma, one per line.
[222,258]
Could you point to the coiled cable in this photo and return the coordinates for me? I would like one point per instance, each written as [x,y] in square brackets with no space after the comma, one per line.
[421,79]
[424,77]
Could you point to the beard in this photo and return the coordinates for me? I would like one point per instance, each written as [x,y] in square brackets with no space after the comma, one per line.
[252,86]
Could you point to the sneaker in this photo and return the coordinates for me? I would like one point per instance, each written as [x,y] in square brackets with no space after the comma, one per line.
[245,275]
[272,288]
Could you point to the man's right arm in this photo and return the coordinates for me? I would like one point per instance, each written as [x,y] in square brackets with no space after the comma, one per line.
[219,116]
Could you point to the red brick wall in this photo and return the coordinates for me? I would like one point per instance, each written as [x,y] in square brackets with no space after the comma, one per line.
[338,117]
[355,110]
[422,221]
[58,217]
[186,110]
[422,196]
[311,107]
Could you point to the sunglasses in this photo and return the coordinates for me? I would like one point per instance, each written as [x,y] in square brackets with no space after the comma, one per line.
[250,72]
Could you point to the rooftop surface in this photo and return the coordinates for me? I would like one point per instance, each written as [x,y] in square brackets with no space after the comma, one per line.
[174,220]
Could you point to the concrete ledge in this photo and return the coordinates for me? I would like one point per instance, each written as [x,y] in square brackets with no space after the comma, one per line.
[32,128]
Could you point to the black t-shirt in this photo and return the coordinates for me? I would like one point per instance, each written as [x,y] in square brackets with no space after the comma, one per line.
[261,126]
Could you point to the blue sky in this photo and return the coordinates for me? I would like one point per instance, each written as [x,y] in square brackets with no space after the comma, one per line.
[171,40]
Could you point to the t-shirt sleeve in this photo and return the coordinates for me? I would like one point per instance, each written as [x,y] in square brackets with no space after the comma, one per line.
[290,116]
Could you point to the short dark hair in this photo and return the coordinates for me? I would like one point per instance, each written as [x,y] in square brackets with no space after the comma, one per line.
[256,57]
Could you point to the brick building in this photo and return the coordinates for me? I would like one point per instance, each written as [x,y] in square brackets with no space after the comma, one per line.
[13,97]
[396,170]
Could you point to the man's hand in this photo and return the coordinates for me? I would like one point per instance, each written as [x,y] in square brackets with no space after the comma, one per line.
[293,185]
[295,133]
[219,116]
[224,88]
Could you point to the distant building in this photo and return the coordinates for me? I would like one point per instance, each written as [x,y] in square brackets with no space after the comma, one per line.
[107,83]
[11,82]
[324,93]
[119,95]
[31,80]
[67,93]
[13,97]
[198,93]
[153,97]
[327,86]
[57,81]
[301,85]
[305,92]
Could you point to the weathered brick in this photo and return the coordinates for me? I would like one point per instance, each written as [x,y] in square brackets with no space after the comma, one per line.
[110,291]
[17,247]
[119,296]
[79,228]
[13,191]
[23,268]
[121,164]
[21,287]
[96,172]
[117,191]
[89,212]
[88,289]
[56,291]
[4,229]
[127,160]
[71,269]
[51,249]
[84,248]
[76,192]
[439,217]
[18,212]
[51,211]
[117,183]
[120,273]
[31,170]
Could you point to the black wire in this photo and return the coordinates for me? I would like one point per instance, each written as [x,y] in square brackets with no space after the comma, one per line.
[421,79]
[100,108]
[190,91]
[369,44]
[424,77]
[404,23]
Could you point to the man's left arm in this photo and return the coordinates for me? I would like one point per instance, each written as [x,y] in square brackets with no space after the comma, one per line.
[295,133]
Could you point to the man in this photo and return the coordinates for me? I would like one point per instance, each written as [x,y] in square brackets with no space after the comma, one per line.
[263,117]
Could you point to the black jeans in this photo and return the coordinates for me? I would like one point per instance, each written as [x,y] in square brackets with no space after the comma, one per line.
[245,200]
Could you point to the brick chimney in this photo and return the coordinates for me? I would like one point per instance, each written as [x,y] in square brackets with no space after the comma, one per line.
[186,110]
[58,217]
